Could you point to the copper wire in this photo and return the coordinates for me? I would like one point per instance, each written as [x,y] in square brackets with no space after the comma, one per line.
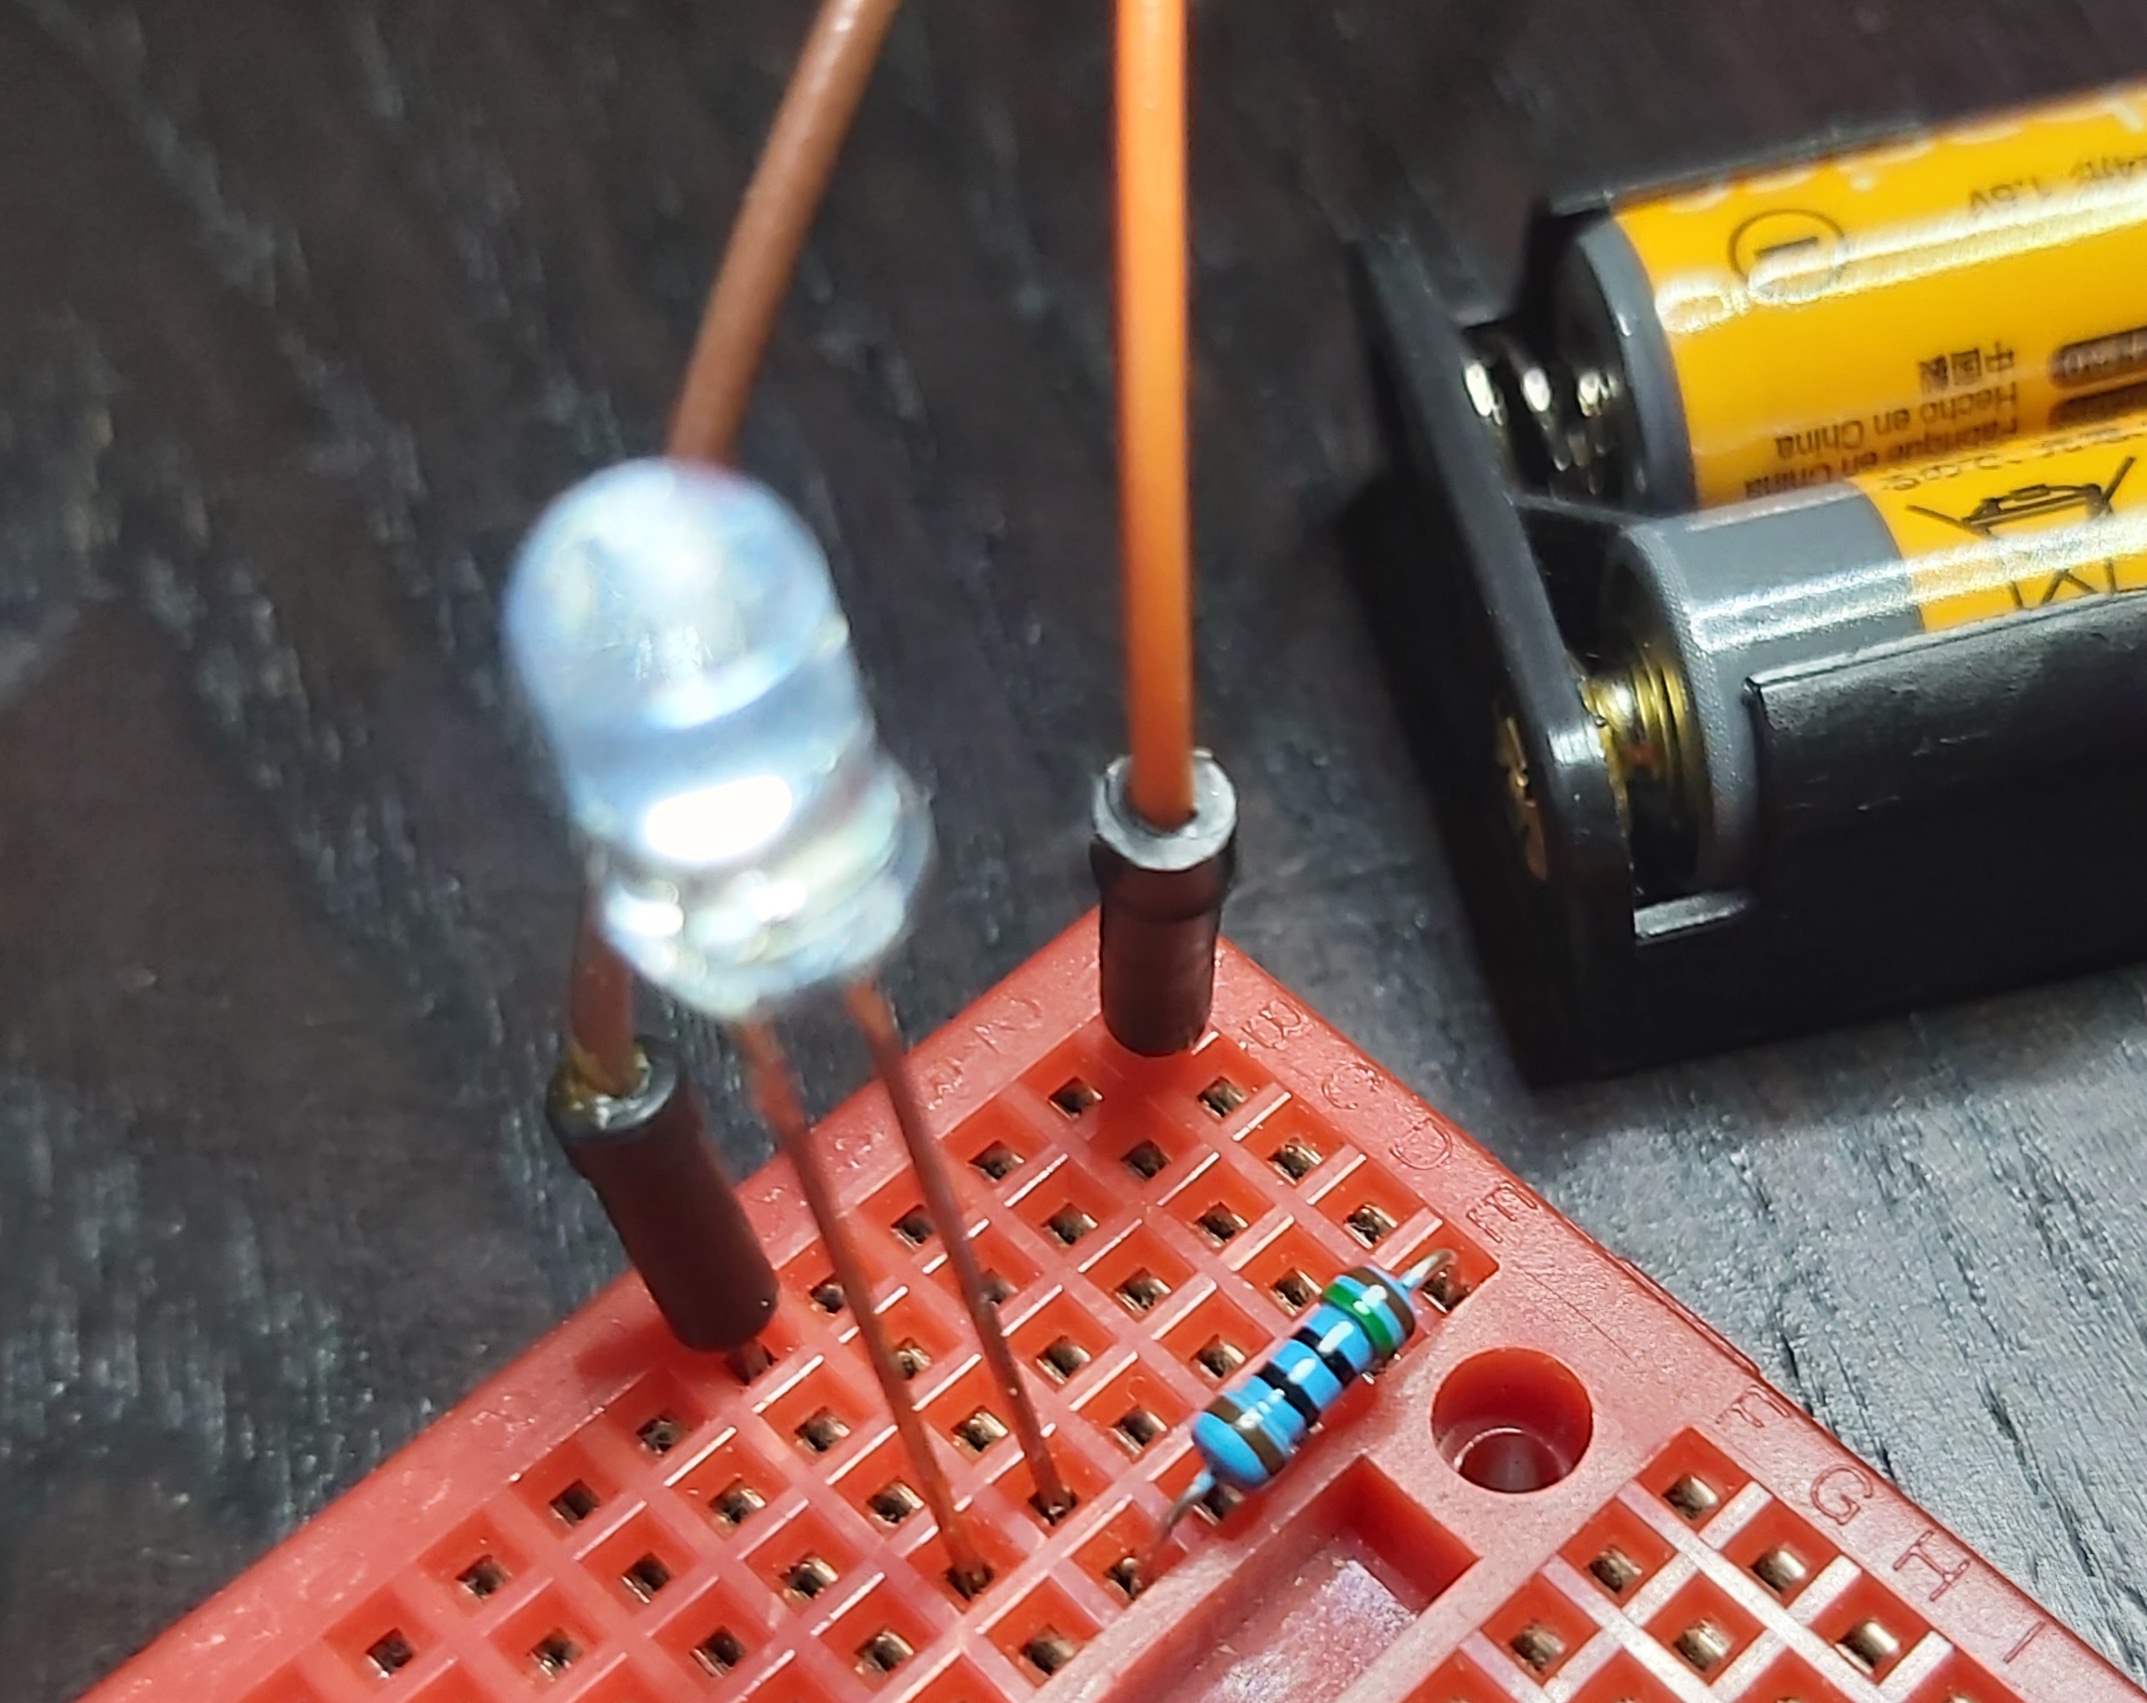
[1153,473]
[600,1048]
[868,1008]
[833,68]
[778,1099]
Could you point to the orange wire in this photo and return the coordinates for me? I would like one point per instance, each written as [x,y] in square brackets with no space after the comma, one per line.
[1154,481]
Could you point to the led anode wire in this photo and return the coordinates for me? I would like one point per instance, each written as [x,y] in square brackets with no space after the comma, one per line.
[601,1050]
[833,69]
[779,1105]
[792,176]
[788,183]
[869,1010]
[1153,477]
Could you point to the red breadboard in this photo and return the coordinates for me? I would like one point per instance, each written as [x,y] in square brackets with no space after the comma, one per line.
[612,1520]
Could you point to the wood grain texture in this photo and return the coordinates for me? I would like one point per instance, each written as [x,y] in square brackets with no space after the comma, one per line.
[305,309]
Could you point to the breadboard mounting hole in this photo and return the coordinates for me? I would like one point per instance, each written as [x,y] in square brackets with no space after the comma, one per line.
[1512,1420]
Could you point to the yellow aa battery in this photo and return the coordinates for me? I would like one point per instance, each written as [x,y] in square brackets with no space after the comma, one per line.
[1855,314]
[2019,526]
[1713,600]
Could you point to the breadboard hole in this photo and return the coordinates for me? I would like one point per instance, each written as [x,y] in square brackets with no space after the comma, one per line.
[1222,1096]
[720,1651]
[1137,1408]
[1369,1206]
[639,1562]
[1219,1207]
[821,1430]
[1295,1144]
[818,1415]
[1693,1479]
[1788,1679]
[476,1563]
[1540,1630]
[570,1488]
[576,1503]
[1067,1206]
[736,1503]
[1074,1096]
[719,1555]
[961,1683]
[1146,1160]
[1006,1270]
[391,1653]
[802,1560]
[999,1551]
[879,1635]
[1043,1633]
[656,1417]
[1114,1554]
[1215,1339]
[894,1502]
[1781,1551]
[1704,1628]
[1140,1272]
[998,1147]
[1957,1679]
[1619,1552]
[545,1640]
[1870,1628]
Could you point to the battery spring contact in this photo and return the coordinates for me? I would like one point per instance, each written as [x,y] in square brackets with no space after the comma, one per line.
[1643,717]
[1250,1433]
[1555,422]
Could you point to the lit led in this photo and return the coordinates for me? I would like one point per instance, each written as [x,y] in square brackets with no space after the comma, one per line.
[675,631]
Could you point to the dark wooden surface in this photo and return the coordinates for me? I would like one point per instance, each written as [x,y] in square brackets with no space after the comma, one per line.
[305,308]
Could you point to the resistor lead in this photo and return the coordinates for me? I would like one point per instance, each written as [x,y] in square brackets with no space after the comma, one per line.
[1254,1429]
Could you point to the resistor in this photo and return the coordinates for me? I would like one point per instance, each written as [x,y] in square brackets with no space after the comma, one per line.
[1248,1434]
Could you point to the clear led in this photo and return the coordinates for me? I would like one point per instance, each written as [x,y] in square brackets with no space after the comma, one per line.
[674,628]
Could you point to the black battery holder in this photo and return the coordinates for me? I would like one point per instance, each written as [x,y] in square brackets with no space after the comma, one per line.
[1956,814]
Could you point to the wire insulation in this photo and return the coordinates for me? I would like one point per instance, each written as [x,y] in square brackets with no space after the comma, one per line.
[833,69]
[1153,474]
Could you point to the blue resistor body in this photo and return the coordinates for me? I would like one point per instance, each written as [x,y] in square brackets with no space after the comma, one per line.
[1249,1433]
[1254,1429]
